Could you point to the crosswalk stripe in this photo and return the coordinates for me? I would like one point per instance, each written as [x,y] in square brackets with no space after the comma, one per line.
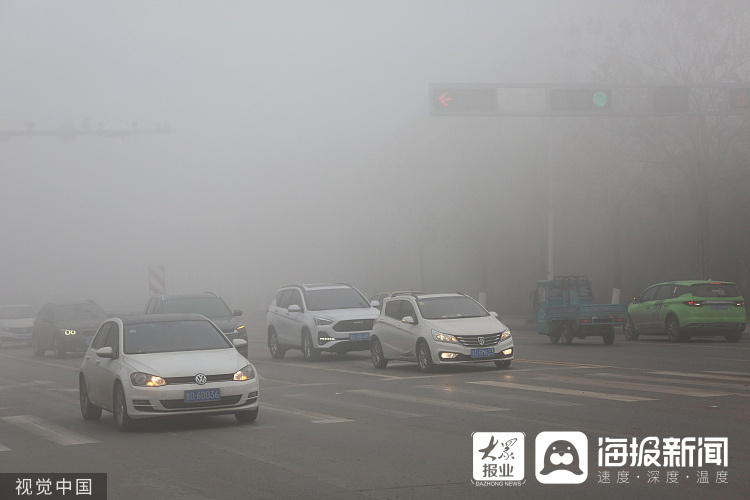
[741,374]
[427,401]
[48,430]
[371,409]
[704,383]
[635,386]
[568,392]
[3,448]
[317,418]
[701,375]
[559,363]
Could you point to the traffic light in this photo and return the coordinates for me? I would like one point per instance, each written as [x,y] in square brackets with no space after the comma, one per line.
[463,100]
[580,100]
[739,98]
[671,99]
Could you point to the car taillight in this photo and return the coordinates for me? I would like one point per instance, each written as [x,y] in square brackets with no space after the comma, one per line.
[740,303]
[693,303]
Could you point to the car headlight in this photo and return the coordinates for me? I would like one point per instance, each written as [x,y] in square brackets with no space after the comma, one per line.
[246,373]
[505,335]
[65,331]
[240,330]
[323,321]
[443,337]
[146,380]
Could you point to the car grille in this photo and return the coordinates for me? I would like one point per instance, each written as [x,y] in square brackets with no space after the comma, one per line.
[191,379]
[179,404]
[473,340]
[354,325]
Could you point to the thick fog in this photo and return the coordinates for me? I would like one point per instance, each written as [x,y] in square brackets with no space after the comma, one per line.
[303,150]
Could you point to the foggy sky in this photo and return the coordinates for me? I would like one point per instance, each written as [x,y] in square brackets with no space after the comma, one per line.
[282,112]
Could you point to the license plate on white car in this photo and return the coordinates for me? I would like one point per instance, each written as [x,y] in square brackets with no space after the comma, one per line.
[359,336]
[201,395]
[487,352]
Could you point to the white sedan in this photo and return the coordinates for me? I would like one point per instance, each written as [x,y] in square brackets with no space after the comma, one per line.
[158,365]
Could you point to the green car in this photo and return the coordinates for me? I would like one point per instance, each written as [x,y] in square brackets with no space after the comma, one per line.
[682,309]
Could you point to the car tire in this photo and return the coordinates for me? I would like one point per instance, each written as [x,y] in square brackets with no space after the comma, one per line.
[609,337]
[554,338]
[60,351]
[736,335]
[424,358]
[308,348]
[89,411]
[629,330]
[273,345]
[120,410]
[244,417]
[378,358]
[39,349]
[502,364]
[674,334]
[566,334]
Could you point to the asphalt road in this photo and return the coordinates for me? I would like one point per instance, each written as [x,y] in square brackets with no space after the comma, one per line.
[339,429]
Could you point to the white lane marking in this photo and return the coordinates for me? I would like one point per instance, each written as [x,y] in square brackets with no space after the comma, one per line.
[4,448]
[505,396]
[27,384]
[308,366]
[635,386]
[307,397]
[700,375]
[704,383]
[76,368]
[317,418]
[48,430]
[428,401]
[741,374]
[569,392]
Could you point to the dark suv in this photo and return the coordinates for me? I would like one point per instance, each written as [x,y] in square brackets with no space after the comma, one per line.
[66,327]
[206,304]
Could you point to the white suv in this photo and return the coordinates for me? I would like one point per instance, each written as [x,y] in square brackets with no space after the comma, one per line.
[439,329]
[332,317]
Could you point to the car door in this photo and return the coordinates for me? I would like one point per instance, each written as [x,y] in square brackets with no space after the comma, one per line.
[387,330]
[280,314]
[642,311]
[661,307]
[105,369]
[295,319]
[92,363]
[42,326]
[406,340]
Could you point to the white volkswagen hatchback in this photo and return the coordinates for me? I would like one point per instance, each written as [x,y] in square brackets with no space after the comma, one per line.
[158,365]
[439,329]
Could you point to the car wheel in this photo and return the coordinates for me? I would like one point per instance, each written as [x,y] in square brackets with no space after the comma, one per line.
[60,351]
[39,349]
[308,349]
[123,421]
[424,358]
[554,338]
[273,345]
[376,349]
[503,364]
[736,335]
[673,330]
[88,410]
[566,334]
[609,337]
[246,416]
[629,330]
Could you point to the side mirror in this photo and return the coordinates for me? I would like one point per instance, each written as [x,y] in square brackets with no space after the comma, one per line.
[239,342]
[375,304]
[493,314]
[105,352]
[294,308]
[238,312]
[409,320]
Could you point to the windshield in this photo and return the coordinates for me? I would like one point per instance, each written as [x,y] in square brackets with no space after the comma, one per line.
[335,298]
[715,290]
[17,312]
[210,307]
[450,307]
[79,311]
[172,336]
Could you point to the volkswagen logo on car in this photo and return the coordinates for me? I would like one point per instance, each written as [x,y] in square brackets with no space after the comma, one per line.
[200,379]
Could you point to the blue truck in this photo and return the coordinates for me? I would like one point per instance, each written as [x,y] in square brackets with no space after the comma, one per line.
[564,309]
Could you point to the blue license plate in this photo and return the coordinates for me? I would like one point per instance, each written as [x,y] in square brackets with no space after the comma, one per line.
[201,395]
[719,307]
[359,336]
[487,352]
